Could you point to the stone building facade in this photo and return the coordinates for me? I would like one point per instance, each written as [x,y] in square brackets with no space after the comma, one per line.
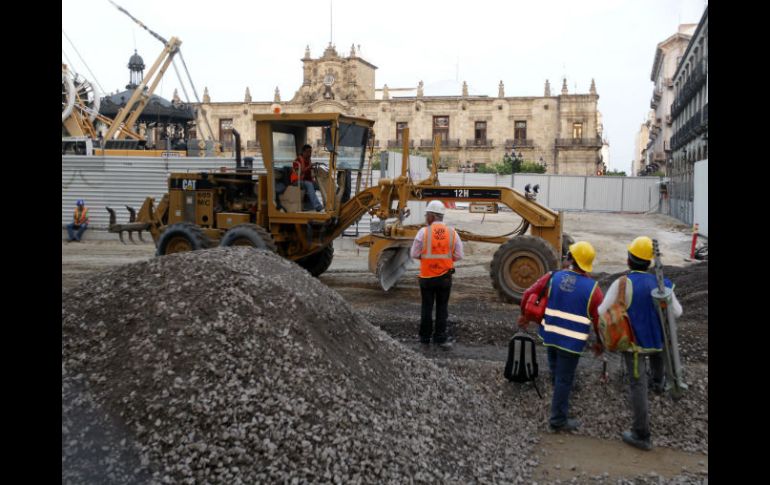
[668,55]
[640,148]
[562,131]
[690,116]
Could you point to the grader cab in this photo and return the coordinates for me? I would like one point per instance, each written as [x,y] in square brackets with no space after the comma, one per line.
[266,208]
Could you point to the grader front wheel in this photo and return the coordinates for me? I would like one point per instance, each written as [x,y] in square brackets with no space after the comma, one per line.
[518,263]
[178,238]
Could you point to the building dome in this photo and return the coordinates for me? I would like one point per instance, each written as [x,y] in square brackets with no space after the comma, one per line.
[136,63]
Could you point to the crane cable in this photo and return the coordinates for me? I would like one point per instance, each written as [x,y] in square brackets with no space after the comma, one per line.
[81,58]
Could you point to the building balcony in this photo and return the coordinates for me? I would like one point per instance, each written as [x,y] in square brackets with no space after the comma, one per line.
[478,143]
[252,145]
[445,143]
[595,142]
[669,120]
[399,143]
[519,143]
[668,82]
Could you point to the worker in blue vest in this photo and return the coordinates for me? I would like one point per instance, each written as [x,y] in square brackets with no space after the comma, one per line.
[648,333]
[573,303]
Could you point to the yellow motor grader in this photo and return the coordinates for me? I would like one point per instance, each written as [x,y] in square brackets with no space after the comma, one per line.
[263,208]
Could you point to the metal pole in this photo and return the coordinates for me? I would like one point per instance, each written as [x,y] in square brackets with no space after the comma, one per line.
[622,192]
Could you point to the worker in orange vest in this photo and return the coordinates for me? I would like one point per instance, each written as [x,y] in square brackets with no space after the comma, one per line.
[79,222]
[437,246]
[302,173]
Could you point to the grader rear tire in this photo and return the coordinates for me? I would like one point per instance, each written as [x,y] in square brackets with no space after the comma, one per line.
[319,262]
[518,263]
[178,238]
[249,235]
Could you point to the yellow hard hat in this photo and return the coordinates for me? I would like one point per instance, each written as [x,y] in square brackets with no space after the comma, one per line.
[583,254]
[641,247]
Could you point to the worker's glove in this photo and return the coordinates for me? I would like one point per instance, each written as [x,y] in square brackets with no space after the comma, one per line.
[523,323]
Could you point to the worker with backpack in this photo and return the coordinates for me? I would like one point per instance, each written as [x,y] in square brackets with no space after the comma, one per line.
[571,308]
[635,306]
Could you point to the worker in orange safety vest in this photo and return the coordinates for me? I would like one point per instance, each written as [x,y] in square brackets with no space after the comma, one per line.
[79,222]
[437,246]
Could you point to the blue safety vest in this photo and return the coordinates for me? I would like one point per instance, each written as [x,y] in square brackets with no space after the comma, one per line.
[641,310]
[567,322]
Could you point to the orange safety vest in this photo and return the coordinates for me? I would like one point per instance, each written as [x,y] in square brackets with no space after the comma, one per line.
[437,249]
[303,167]
[81,218]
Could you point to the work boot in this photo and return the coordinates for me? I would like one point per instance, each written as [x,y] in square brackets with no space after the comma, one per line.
[445,345]
[632,439]
[657,387]
[569,425]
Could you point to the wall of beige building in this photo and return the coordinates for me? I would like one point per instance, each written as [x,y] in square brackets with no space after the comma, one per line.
[347,85]
[667,56]
[640,148]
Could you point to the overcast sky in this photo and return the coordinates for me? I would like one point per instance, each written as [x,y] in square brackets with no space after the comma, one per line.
[231,44]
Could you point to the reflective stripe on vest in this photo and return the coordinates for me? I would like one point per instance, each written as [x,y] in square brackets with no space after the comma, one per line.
[436,255]
[566,323]
[83,218]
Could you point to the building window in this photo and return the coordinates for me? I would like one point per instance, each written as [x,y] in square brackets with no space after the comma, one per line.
[226,133]
[441,127]
[481,132]
[400,132]
[520,130]
[577,131]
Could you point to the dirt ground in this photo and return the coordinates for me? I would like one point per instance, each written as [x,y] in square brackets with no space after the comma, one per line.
[481,324]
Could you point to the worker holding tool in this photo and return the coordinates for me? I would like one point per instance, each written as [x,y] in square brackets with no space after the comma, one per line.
[648,334]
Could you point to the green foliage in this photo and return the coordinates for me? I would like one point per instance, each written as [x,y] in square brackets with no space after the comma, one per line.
[484,168]
[532,167]
[616,173]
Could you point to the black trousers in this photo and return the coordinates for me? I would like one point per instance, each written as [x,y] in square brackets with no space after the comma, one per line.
[435,290]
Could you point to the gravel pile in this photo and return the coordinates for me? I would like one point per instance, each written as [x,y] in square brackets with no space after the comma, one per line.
[236,366]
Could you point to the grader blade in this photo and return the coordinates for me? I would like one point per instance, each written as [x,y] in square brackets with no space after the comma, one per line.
[392,265]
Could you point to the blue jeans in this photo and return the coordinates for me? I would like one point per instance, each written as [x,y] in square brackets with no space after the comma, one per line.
[562,365]
[80,230]
[310,191]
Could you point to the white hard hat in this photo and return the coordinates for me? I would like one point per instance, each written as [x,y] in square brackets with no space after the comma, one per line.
[436,206]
